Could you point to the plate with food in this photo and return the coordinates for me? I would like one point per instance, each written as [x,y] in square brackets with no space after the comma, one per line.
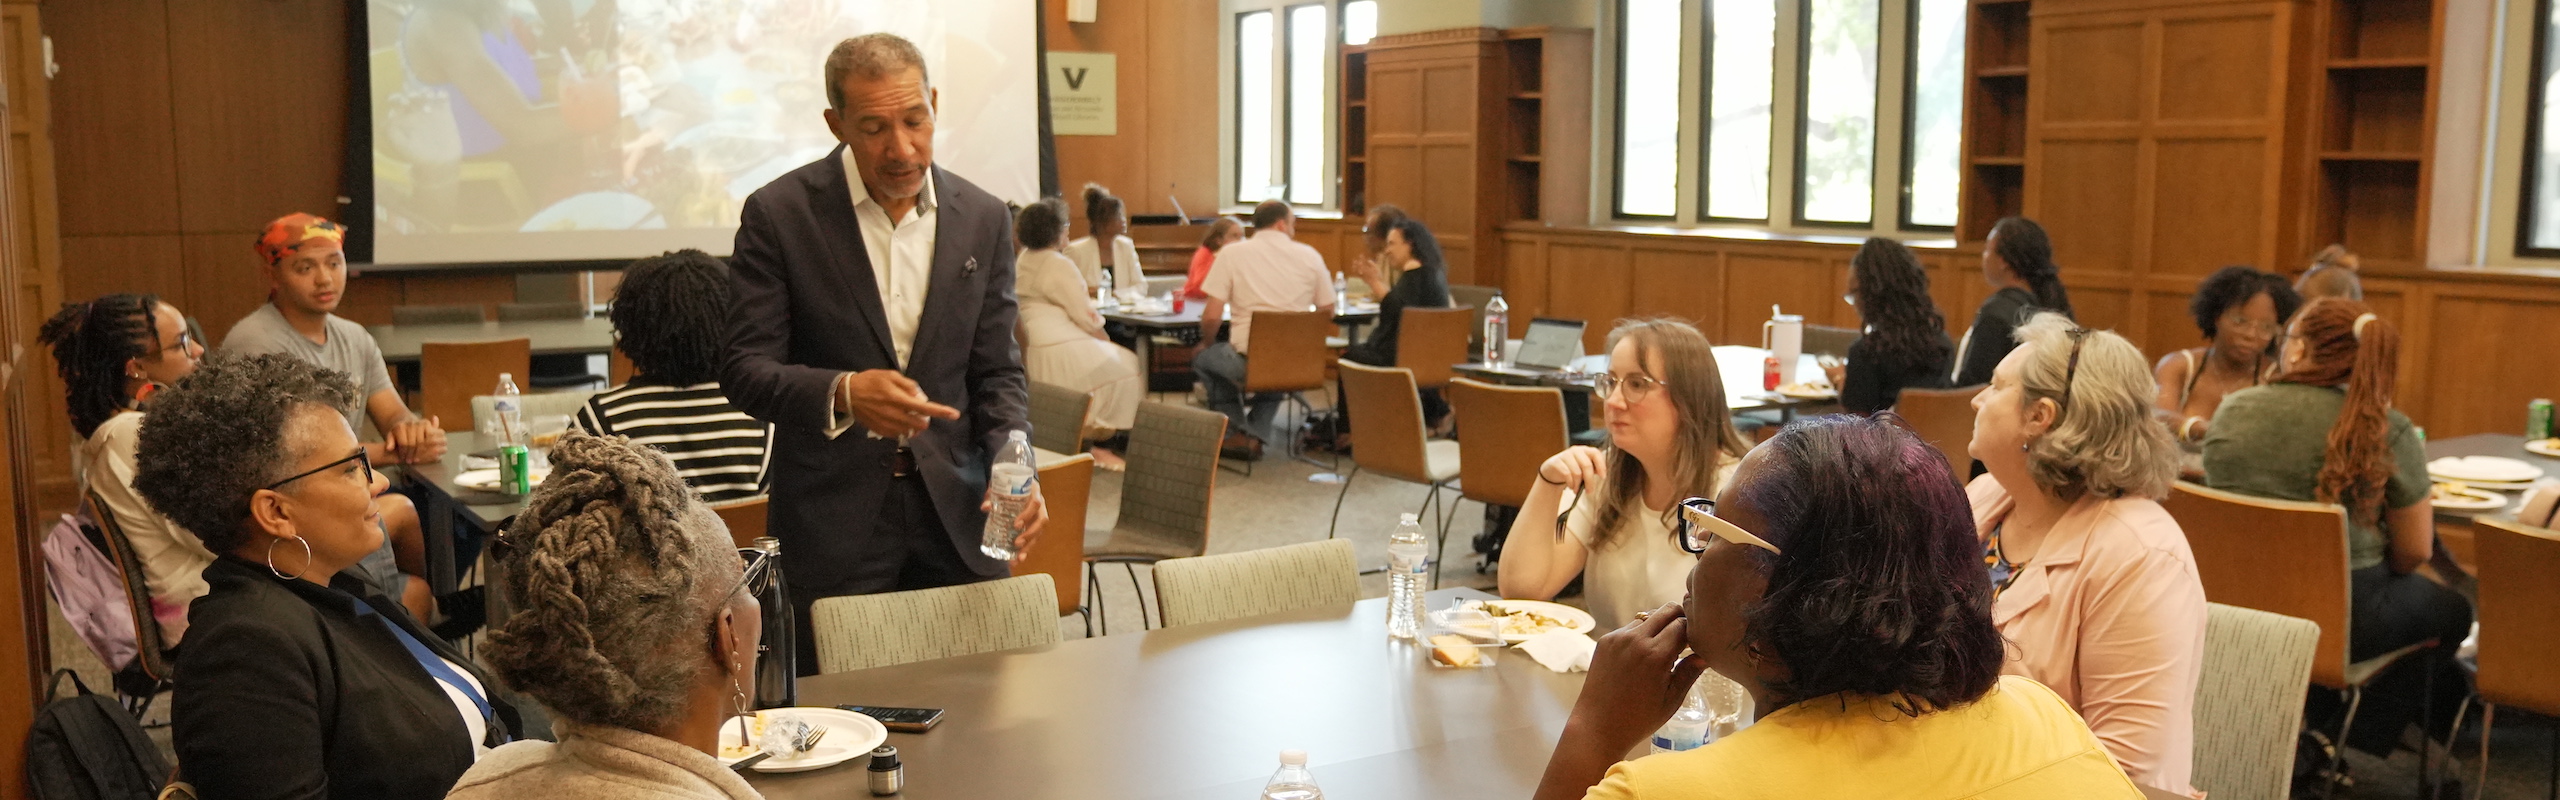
[1521,619]
[2543,447]
[839,736]
[1809,391]
[487,479]
[2483,469]
[2458,496]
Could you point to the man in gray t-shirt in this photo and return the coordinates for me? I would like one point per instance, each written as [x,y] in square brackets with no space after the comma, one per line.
[306,272]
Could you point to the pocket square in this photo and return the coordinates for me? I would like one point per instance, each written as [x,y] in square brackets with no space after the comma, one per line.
[969,267]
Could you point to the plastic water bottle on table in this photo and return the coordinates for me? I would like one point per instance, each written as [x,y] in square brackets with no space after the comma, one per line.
[1408,560]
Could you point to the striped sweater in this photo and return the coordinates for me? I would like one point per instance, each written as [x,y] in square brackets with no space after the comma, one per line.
[720,451]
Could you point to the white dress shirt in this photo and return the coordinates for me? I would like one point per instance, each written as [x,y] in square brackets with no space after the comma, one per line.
[1268,272]
[901,253]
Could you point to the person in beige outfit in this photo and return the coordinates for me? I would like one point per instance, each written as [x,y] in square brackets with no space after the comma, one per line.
[636,627]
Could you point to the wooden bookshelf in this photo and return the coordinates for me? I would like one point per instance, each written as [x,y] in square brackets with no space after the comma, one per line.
[1995,123]
[2371,152]
[1354,173]
[1545,140]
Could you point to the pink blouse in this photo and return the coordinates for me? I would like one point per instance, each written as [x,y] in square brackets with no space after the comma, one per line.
[2110,614]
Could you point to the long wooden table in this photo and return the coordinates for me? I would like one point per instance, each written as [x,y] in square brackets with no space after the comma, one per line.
[591,336]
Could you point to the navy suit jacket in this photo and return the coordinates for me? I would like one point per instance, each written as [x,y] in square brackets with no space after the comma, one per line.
[807,307]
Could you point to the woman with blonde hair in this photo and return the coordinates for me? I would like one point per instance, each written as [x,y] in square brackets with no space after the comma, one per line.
[2324,430]
[1607,513]
[2092,581]
[636,625]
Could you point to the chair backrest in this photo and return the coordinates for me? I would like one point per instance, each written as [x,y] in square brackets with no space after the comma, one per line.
[1824,340]
[2249,701]
[1431,341]
[1475,298]
[1383,402]
[877,630]
[1288,351]
[1944,419]
[1509,431]
[1168,284]
[438,315]
[451,373]
[2280,556]
[1066,486]
[519,312]
[2519,634]
[1057,417]
[151,651]
[1212,588]
[745,518]
[534,406]
[1173,469]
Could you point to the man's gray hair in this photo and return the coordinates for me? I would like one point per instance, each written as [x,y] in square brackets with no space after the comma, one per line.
[871,55]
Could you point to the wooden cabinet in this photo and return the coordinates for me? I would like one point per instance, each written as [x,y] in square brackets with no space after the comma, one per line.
[1995,123]
[2376,112]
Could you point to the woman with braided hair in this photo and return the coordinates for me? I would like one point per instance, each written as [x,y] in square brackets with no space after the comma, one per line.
[634,626]
[2017,260]
[1904,343]
[2324,429]
[112,353]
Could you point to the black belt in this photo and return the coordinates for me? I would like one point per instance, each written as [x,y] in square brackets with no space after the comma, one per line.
[902,464]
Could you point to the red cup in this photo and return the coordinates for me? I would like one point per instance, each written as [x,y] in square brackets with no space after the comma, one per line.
[1769,373]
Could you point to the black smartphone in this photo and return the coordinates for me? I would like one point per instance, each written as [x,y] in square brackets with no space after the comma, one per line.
[902,720]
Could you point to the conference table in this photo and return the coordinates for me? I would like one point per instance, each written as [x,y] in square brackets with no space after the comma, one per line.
[1741,367]
[1203,711]
[588,336]
[1148,326]
[2453,526]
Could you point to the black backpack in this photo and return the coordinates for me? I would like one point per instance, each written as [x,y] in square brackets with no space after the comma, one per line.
[85,747]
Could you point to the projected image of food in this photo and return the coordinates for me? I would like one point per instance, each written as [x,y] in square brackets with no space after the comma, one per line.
[495,119]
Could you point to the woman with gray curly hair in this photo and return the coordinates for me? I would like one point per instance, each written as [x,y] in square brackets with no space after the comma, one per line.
[634,625]
[2093,584]
[298,678]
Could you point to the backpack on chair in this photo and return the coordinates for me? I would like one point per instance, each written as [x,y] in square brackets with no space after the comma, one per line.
[85,747]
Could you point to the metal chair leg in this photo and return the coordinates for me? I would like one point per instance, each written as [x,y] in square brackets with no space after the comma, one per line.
[1096,597]
[2338,749]
[1141,594]
[1336,526]
[1441,549]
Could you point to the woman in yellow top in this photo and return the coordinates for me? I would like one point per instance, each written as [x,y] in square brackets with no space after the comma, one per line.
[1838,583]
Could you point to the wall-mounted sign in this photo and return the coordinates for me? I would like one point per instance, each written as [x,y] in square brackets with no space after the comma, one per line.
[1084,95]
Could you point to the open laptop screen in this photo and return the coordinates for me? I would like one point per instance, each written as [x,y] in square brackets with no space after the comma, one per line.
[1550,343]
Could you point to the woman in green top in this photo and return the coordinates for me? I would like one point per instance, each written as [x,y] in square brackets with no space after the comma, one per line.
[2325,430]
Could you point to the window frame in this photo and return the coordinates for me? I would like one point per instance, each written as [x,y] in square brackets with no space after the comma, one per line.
[1327,102]
[1910,113]
[1618,134]
[2529,161]
[1707,122]
[1804,121]
[1231,135]
[1233,196]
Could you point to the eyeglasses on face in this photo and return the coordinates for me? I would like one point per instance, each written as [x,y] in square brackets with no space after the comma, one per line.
[1637,386]
[1698,522]
[358,456]
[2234,321]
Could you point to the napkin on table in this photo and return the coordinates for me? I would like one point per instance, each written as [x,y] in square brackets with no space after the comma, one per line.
[1562,651]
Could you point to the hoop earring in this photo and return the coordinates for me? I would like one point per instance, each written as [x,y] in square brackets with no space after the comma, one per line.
[271,558]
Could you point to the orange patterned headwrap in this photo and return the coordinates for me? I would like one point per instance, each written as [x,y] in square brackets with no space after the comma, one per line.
[290,232]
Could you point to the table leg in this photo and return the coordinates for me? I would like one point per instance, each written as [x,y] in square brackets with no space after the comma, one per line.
[436,522]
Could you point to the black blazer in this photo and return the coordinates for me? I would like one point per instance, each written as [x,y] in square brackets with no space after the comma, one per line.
[807,307]
[285,691]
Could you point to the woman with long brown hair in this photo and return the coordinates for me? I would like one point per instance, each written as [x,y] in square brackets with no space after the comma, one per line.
[2325,430]
[1607,513]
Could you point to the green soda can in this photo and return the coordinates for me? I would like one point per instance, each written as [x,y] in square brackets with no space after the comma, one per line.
[2538,422]
[515,470]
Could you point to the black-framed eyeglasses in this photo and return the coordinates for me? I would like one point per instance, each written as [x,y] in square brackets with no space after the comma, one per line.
[358,456]
[1607,384]
[186,343]
[2071,370]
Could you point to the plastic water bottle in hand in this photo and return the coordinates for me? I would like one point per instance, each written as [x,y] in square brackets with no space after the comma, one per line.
[1293,781]
[1408,560]
[1687,729]
[1009,479]
[1497,331]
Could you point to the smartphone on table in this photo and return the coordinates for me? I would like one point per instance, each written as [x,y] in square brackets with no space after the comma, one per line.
[902,720]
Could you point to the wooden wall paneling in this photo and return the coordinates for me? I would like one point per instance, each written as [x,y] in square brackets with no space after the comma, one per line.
[222,278]
[1525,275]
[122,151]
[1589,283]
[33,242]
[23,644]
[456,289]
[1682,282]
[2480,379]
[242,61]
[1431,145]
[368,300]
[1181,74]
[1797,280]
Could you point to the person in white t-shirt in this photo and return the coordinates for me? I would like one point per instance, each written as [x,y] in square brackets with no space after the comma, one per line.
[1605,513]
[1268,272]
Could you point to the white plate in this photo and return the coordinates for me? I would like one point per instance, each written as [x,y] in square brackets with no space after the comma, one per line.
[487,479]
[2474,499]
[848,735]
[1580,621]
[2483,469]
[1808,392]
[2543,447]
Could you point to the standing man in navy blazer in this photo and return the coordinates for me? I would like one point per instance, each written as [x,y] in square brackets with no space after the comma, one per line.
[873,326]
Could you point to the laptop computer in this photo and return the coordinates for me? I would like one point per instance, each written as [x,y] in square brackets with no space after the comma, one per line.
[1549,344]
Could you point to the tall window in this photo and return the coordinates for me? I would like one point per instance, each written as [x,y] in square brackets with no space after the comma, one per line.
[1837,132]
[1310,46]
[1937,114]
[1649,109]
[1253,107]
[1744,36]
[1359,21]
[1800,137]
